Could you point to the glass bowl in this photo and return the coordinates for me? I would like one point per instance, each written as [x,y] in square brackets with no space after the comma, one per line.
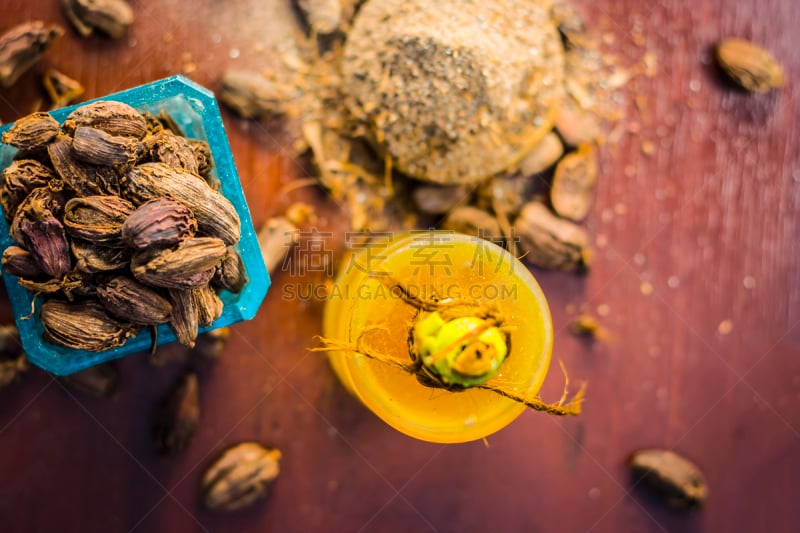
[195,110]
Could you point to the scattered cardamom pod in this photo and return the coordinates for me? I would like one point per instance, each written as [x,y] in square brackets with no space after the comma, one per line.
[99,381]
[12,359]
[83,326]
[31,132]
[549,241]
[230,272]
[588,326]
[299,213]
[472,221]
[211,345]
[575,125]
[570,23]
[158,223]
[19,179]
[20,262]
[96,147]
[129,300]
[185,319]
[61,89]
[112,17]
[22,46]
[10,345]
[37,229]
[275,238]
[439,199]
[191,264]
[169,353]
[242,475]
[177,418]
[323,16]
[91,258]
[543,156]
[10,369]
[676,478]
[172,150]
[97,219]
[252,95]
[505,194]
[573,183]
[749,65]
[216,216]
[209,306]
[114,118]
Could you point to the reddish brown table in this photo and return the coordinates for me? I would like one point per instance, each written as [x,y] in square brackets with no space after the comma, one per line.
[710,221]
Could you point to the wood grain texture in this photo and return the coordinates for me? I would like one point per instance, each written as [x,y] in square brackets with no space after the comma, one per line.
[710,221]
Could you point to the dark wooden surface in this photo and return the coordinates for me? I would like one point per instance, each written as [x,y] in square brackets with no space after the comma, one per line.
[710,221]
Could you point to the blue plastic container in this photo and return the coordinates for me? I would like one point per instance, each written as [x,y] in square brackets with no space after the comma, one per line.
[195,110]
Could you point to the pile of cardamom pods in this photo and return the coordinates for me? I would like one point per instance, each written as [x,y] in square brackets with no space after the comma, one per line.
[119,225]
